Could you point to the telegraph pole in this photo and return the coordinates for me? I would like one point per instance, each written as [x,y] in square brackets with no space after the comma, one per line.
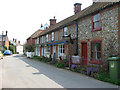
[2,41]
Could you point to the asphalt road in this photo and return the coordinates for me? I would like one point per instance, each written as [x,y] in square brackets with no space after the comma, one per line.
[18,71]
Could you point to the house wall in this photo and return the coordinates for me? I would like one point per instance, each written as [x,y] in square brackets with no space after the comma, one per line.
[30,41]
[108,33]
[19,49]
[119,29]
[7,42]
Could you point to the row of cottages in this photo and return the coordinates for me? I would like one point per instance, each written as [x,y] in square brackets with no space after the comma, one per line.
[92,33]
[4,40]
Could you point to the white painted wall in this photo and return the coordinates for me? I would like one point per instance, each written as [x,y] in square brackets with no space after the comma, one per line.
[19,49]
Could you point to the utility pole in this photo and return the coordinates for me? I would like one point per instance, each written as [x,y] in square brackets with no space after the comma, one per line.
[2,41]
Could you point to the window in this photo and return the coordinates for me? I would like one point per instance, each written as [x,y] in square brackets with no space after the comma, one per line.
[65,31]
[37,51]
[47,51]
[47,38]
[42,39]
[37,40]
[42,51]
[52,36]
[96,22]
[61,50]
[56,36]
[96,50]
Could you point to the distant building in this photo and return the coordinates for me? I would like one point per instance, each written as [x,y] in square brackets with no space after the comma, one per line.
[31,40]
[4,40]
[19,47]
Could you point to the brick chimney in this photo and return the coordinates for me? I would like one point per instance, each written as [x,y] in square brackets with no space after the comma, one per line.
[52,21]
[19,42]
[77,7]
[13,39]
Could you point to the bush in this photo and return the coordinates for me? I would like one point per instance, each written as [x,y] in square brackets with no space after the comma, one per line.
[43,59]
[60,65]
[104,76]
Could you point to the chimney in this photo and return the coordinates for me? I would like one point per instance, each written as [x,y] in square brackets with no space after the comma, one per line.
[13,39]
[19,42]
[77,7]
[6,33]
[52,21]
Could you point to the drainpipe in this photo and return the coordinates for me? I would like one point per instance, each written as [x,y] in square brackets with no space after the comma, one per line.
[76,37]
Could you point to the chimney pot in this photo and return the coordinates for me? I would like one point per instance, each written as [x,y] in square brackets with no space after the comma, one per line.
[77,7]
[6,33]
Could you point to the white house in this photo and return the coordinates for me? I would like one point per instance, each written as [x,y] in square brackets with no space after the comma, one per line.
[19,47]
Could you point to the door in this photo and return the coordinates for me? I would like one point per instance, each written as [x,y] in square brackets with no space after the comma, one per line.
[84,53]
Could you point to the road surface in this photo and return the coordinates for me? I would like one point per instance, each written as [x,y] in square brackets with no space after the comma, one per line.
[18,71]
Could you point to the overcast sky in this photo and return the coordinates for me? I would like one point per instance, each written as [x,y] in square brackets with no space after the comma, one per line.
[21,18]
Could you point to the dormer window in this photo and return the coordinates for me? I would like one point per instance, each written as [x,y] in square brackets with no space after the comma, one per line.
[96,22]
[65,31]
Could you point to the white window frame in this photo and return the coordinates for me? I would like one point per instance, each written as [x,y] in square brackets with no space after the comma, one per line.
[47,38]
[47,51]
[61,47]
[38,40]
[65,31]
[42,51]
[52,36]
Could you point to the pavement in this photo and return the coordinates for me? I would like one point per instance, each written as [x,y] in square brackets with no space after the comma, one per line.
[18,71]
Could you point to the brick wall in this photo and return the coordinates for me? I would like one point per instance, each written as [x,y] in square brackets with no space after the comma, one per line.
[30,41]
[7,43]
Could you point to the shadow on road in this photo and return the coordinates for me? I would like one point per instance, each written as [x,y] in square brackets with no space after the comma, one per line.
[65,78]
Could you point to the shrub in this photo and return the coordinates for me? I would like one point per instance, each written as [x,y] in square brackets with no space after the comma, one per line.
[104,76]
[60,65]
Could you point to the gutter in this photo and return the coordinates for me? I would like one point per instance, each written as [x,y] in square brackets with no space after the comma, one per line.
[76,37]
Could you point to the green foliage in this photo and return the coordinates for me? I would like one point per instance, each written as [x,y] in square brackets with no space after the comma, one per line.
[12,48]
[103,76]
[30,48]
[66,62]
[60,65]
[5,48]
[43,59]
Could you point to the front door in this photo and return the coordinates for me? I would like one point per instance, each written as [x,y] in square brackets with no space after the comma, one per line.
[84,53]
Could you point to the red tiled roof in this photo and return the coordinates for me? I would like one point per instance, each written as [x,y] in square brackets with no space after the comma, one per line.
[89,10]
[36,34]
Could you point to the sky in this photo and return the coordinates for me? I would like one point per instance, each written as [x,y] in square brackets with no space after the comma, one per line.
[21,18]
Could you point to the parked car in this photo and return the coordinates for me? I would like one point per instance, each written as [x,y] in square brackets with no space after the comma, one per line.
[7,52]
[1,55]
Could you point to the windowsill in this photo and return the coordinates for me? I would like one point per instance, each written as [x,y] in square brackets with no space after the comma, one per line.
[95,62]
[96,29]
